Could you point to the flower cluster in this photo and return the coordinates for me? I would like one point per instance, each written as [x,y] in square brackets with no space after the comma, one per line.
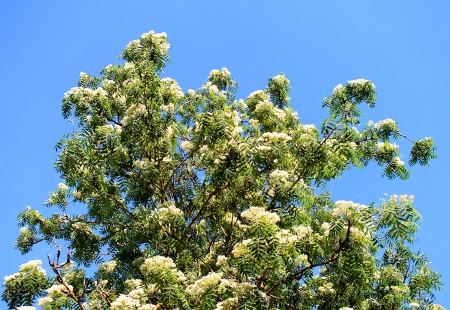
[124,302]
[203,284]
[163,213]
[108,266]
[279,176]
[241,249]
[157,263]
[59,290]
[274,137]
[171,88]
[260,214]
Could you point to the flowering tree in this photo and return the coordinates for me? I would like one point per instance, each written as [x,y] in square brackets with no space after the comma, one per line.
[197,200]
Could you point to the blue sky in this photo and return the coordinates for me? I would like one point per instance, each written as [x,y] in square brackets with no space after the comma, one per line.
[402,46]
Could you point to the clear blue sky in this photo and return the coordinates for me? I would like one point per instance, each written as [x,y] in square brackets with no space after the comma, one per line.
[402,46]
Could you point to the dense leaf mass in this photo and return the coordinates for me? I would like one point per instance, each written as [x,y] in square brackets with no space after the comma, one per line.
[197,200]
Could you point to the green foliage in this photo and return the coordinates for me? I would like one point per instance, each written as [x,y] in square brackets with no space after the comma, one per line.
[196,200]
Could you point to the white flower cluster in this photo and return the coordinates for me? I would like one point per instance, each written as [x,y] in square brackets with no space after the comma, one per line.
[202,285]
[267,106]
[136,109]
[159,40]
[360,82]
[309,127]
[227,304]
[346,308]
[148,307]
[134,283]
[302,259]
[302,231]
[62,187]
[168,108]
[163,212]
[357,234]
[157,263]
[285,237]
[338,89]
[44,301]
[241,249]
[279,176]
[387,147]
[124,302]
[187,145]
[387,123]
[264,105]
[326,228]
[260,214]
[257,93]
[279,113]
[171,87]
[216,73]
[281,78]
[212,89]
[59,290]
[274,137]
[32,265]
[344,208]
[108,266]
[82,227]
[26,308]
[398,162]
[83,91]
[327,288]
[221,260]
[402,198]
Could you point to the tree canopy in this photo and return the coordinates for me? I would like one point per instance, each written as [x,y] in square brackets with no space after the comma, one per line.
[198,200]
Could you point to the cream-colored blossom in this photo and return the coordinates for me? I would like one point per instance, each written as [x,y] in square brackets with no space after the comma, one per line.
[163,213]
[279,175]
[44,301]
[108,266]
[135,110]
[385,123]
[32,264]
[134,283]
[326,228]
[338,89]
[327,288]
[203,284]
[187,145]
[137,293]
[286,237]
[124,302]
[260,214]
[302,231]
[157,263]
[241,249]
[168,108]
[273,137]
[227,304]
[12,277]
[221,260]
[59,290]
[398,162]
[302,259]
[62,187]
[148,307]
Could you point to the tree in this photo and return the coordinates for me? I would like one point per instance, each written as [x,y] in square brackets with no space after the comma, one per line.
[197,200]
